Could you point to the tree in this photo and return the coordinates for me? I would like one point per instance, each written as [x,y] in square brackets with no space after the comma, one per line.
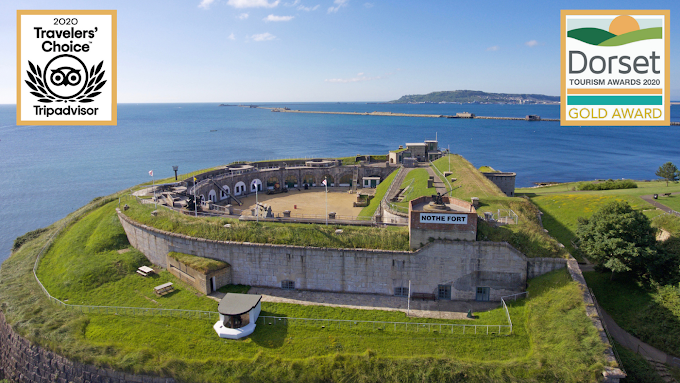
[668,171]
[618,238]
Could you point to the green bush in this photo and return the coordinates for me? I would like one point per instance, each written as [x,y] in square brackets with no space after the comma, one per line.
[608,185]
[31,235]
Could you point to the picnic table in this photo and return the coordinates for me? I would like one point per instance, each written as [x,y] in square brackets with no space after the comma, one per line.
[163,289]
[144,271]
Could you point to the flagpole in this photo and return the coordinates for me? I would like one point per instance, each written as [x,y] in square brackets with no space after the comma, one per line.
[195,200]
[153,186]
[326,184]
[257,204]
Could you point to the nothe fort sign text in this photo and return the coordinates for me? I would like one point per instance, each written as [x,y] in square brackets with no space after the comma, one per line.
[451,219]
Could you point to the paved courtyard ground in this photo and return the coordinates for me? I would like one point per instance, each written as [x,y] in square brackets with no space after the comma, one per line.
[441,309]
[310,202]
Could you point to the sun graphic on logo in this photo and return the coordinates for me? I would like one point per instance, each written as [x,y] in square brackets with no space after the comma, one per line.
[623,24]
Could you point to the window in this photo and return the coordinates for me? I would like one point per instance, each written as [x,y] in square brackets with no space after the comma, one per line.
[483,294]
[288,285]
[444,292]
[401,291]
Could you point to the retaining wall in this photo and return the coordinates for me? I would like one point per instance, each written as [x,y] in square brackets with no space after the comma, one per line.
[21,361]
[464,265]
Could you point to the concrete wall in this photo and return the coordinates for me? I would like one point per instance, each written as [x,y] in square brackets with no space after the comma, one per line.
[281,174]
[21,361]
[200,281]
[504,181]
[462,264]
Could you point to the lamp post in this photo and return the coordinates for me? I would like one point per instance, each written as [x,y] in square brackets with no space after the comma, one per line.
[175,169]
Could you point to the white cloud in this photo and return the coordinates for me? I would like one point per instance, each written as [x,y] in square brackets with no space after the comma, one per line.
[294,3]
[307,9]
[531,43]
[205,4]
[263,37]
[243,16]
[368,5]
[493,48]
[360,74]
[338,4]
[232,37]
[252,3]
[278,18]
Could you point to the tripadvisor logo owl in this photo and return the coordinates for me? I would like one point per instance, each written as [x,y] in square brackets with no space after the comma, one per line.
[66,68]
[65,79]
[615,67]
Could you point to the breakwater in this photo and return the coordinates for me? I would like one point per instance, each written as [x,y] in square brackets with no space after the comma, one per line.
[284,110]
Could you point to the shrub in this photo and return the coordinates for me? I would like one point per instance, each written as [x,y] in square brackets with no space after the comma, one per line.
[608,185]
[31,235]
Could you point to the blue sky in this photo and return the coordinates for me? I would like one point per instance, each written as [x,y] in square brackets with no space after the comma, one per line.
[328,50]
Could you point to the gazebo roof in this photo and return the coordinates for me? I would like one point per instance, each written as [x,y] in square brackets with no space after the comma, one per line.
[238,304]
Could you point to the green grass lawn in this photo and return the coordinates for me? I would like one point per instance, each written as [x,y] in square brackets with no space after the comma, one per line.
[471,181]
[417,179]
[653,315]
[553,338]
[644,188]
[380,191]
[561,211]
[390,238]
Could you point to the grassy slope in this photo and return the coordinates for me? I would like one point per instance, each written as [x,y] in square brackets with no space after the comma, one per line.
[553,337]
[418,188]
[649,314]
[561,206]
[391,238]
[473,182]
[380,191]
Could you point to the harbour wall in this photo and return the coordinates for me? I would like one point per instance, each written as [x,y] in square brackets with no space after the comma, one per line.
[462,265]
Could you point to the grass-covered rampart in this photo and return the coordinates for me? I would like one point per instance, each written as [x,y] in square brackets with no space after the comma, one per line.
[553,339]
[390,238]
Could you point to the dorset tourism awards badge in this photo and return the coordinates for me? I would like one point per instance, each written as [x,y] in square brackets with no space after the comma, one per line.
[615,67]
[66,67]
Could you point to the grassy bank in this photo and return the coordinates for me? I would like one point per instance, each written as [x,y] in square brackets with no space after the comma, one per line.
[380,191]
[416,181]
[470,182]
[553,338]
[651,314]
[391,238]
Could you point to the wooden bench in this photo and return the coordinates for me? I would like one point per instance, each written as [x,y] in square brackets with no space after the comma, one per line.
[424,296]
[163,289]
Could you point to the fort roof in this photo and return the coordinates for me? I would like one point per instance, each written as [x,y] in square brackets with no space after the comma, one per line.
[238,304]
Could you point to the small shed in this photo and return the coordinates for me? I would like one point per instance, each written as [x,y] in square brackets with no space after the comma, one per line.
[371,182]
[238,314]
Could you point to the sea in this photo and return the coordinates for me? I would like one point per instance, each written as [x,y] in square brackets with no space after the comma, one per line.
[49,171]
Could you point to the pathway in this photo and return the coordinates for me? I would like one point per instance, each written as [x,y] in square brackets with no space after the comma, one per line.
[658,205]
[441,309]
[439,185]
[657,358]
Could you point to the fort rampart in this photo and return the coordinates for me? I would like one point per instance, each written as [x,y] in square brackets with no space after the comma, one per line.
[463,265]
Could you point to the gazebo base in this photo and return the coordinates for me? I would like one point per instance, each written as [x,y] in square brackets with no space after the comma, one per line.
[233,333]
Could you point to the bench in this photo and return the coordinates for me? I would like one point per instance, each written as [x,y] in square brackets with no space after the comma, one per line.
[163,289]
[424,296]
[144,271]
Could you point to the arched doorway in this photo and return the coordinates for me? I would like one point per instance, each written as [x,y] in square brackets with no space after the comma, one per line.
[272,183]
[308,179]
[255,185]
[345,180]
[224,192]
[291,182]
[212,196]
[240,188]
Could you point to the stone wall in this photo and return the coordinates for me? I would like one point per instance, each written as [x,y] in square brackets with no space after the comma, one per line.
[335,173]
[199,280]
[504,181]
[21,361]
[464,265]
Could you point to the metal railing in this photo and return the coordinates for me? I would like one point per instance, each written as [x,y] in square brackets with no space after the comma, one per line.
[441,176]
[491,329]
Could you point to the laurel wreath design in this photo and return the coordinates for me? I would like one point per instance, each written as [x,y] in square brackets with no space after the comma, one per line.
[91,89]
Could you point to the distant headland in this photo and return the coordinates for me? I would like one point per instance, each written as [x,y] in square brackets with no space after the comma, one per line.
[476,96]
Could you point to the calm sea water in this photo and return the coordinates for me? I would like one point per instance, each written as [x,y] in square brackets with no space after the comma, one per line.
[49,171]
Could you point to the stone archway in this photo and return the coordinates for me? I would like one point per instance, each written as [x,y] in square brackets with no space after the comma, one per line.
[239,188]
[345,179]
[329,179]
[291,181]
[212,195]
[272,182]
[223,193]
[308,179]
[255,184]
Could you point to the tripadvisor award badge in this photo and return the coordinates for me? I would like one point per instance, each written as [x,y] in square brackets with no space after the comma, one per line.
[615,67]
[66,68]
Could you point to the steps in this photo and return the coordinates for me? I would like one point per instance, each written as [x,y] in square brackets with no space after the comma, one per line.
[662,370]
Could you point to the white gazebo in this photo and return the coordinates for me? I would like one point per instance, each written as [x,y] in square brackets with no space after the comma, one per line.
[238,314]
